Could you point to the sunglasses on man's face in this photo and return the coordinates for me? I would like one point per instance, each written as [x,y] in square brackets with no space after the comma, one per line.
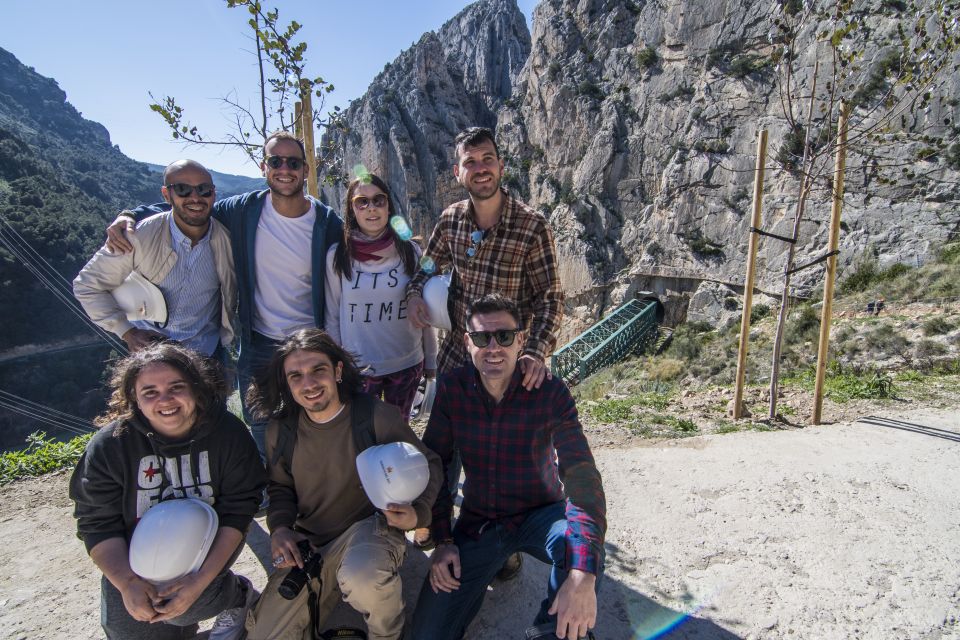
[183,190]
[504,337]
[364,202]
[275,162]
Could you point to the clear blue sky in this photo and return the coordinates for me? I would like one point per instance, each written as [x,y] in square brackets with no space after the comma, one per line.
[108,54]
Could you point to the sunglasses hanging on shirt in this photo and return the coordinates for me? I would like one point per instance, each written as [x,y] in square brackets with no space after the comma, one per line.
[476,239]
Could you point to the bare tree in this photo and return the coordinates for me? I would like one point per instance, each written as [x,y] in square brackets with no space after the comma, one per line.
[892,82]
[282,79]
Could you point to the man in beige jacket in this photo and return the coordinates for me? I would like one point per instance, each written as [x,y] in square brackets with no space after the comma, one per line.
[186,254]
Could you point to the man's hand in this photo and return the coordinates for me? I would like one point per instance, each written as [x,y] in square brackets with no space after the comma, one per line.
[445,569]
[575,605]
[283,547]
[117,241]
[401,516]
[418,312]
[137,339]
[138,598]
[178,596]
[534,370]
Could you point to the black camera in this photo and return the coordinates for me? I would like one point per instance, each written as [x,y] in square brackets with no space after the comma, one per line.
[293,583]
[546,631]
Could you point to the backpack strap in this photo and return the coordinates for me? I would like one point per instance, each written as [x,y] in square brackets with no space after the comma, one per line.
[361,421]
[286,441]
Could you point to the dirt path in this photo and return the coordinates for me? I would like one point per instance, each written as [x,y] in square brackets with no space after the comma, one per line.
[841,531]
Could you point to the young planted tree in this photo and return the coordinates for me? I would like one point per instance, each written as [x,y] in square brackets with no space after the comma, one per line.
[894,64]
[282,80]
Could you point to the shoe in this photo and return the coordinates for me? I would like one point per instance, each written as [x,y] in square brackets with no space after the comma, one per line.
[511,568]
[230,624]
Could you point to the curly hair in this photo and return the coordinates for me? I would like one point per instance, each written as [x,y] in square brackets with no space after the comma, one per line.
[344,251]
[269,395]
[201,373]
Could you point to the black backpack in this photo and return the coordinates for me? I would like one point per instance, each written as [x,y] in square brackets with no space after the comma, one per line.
[361,423]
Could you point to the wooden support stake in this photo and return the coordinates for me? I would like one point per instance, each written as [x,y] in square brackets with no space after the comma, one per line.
[297,124]
[751,274]
[839,167]
[306,122]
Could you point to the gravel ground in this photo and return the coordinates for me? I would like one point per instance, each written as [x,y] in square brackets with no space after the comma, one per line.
[849,530]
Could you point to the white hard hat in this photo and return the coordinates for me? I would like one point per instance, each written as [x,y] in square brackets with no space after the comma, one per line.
[140,299]
[396,472]
[435,295]
[172,539]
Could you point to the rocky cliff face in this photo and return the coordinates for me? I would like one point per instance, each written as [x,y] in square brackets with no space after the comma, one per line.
[403,127]
[635,124]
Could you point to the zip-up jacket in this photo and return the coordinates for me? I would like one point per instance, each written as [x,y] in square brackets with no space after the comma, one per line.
[128,467]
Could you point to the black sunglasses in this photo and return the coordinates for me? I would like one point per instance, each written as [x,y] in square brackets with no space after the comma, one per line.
[275,162]
[504,337]
[183,190]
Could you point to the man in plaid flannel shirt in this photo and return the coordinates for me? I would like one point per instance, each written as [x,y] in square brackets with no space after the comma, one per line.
[517,445]
[492,242]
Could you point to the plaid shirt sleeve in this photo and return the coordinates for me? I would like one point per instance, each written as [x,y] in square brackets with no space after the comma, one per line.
[543,281]
[438,437]
[586,503]
[438,249]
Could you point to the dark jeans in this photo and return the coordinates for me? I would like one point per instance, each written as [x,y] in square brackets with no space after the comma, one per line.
[397,388]
[446,616]
[255,354]
[223,593]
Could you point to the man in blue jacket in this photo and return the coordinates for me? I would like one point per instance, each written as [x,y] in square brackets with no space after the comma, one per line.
[280,238]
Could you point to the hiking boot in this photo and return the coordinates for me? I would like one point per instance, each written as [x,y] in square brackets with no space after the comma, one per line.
[229,625]
[511,568]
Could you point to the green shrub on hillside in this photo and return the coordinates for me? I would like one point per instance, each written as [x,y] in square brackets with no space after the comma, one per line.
[937,326]
[42,455]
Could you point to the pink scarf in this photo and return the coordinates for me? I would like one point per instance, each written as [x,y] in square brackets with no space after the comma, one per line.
[363,249]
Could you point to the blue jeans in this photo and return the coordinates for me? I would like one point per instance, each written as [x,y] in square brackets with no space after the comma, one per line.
[255,354]
[446,616]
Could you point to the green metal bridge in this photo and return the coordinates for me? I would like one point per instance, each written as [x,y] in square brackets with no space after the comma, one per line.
[631,328]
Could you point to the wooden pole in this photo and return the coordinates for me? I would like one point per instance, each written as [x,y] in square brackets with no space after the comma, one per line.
[839,167]
[306,121]
[751,273]
[297,116]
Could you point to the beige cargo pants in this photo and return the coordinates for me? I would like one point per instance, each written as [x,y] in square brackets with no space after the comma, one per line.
[362,564]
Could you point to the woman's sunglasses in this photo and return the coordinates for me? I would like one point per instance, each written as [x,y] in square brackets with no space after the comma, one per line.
[364,202]
[504,337]
[275,162]
[183,190]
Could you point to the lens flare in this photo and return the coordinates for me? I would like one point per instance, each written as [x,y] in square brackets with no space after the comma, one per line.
[401,227]
[362,173]
[652,620]
[427,265]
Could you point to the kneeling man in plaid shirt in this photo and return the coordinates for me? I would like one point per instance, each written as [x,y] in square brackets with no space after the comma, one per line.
[517,447]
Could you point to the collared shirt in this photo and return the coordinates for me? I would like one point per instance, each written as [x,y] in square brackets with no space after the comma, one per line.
[515,454]
[516,257]
[192,293]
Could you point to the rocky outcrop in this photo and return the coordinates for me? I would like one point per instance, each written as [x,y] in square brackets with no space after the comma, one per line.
[635,124]
[403,126]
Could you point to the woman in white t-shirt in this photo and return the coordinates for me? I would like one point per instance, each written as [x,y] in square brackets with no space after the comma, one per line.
[367,274]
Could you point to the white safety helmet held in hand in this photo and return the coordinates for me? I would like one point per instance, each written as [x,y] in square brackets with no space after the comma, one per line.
[435,295]
[140,299]
[393,473]
[172,539]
